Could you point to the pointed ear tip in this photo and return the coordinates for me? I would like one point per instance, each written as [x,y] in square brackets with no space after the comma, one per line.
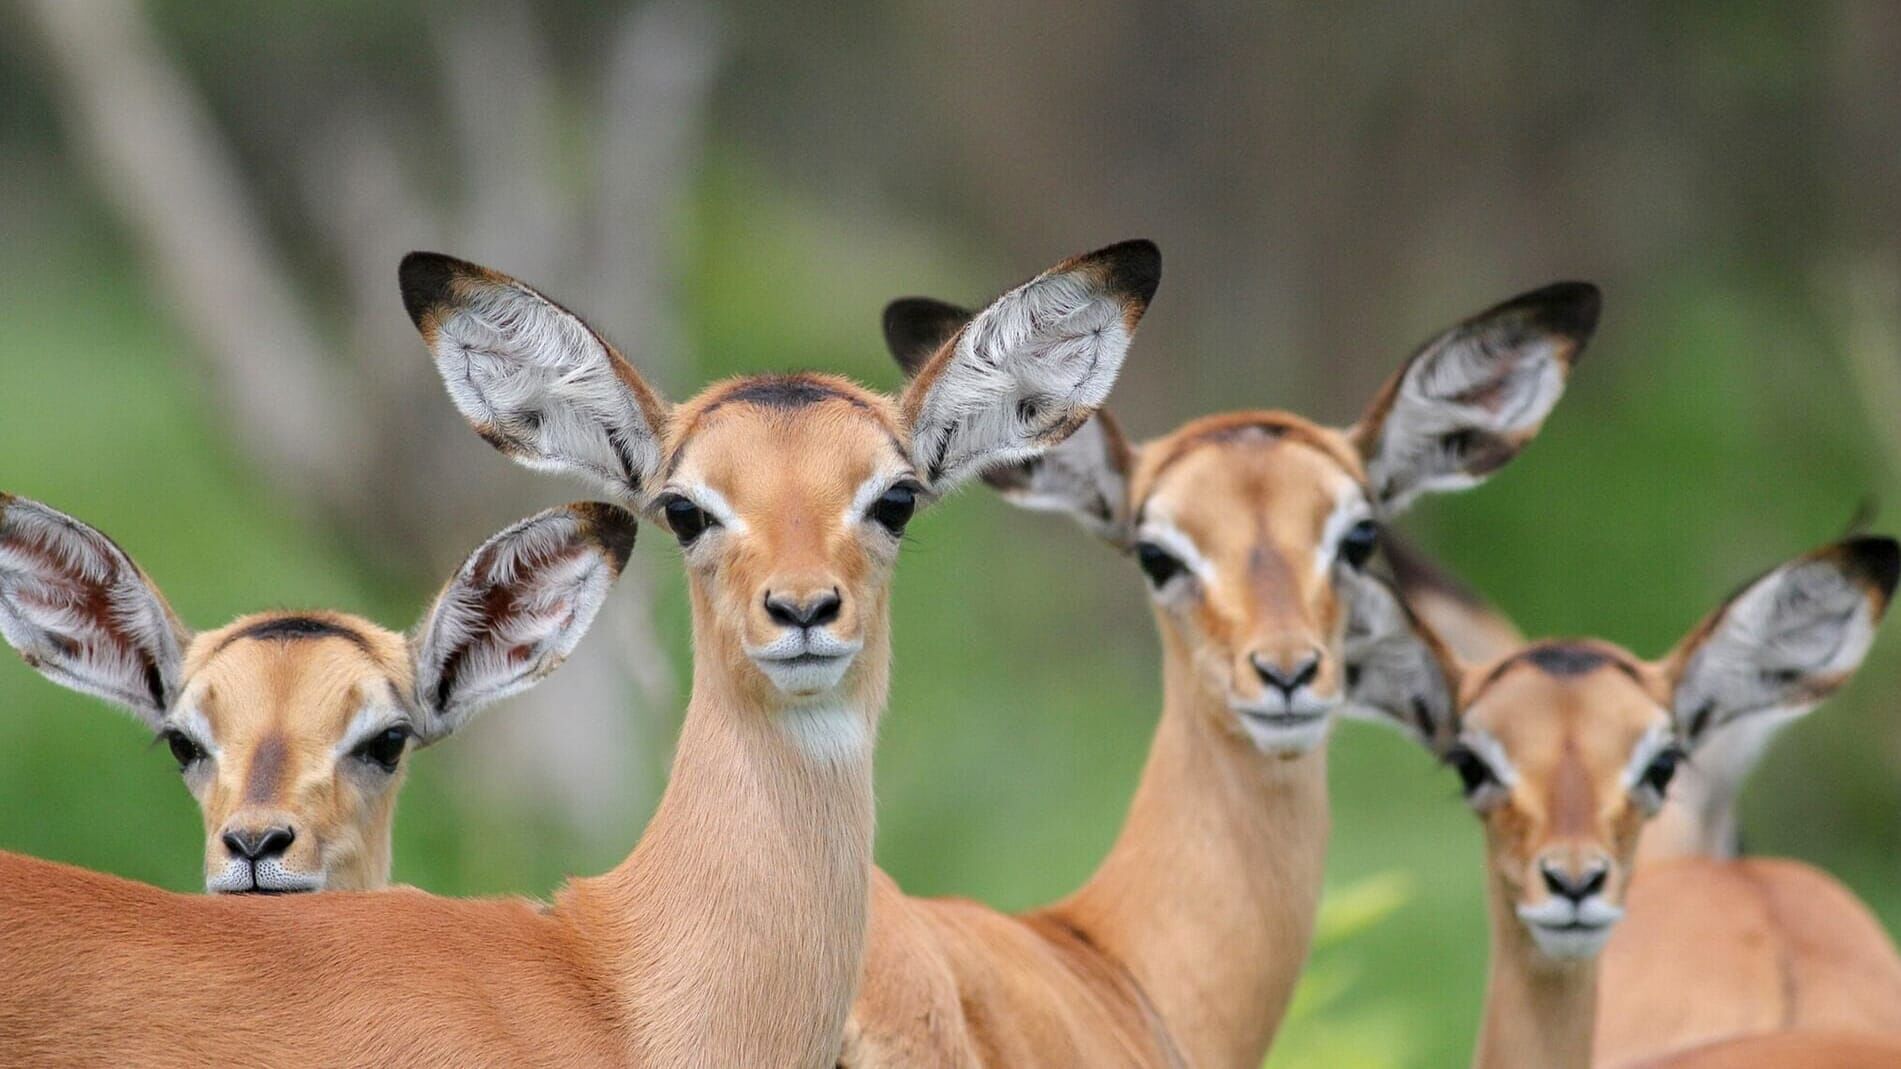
[1875,559]
[1570,308]
[1134,267]
[424,278]
[914,327]
[613,527]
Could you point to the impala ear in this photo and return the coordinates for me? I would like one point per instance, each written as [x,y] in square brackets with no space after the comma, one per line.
[915,328]
[533,379]
[1471,627]
[1470,399]
[1397,670]
[1028,370]
[1785,641]
[82,614]
[515,609]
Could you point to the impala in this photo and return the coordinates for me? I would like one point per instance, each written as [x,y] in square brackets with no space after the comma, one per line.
[289,728]
[789,496]
[1184,946]
[733,934]
[1566,748]
[1790,948]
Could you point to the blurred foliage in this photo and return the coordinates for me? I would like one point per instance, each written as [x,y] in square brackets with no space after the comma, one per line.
[1713,429]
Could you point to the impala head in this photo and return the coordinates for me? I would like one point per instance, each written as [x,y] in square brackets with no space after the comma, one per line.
[292,729]
[1247,523]
[788,493]
[1565,748]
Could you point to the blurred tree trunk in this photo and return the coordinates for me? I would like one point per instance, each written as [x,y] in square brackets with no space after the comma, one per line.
[368,444]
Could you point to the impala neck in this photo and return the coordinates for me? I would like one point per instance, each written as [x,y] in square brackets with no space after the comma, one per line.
[738,924]
[1208,895]
[1537,1011]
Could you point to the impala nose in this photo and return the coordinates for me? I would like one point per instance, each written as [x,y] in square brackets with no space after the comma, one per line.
[1576,886]
[257,844]
[814,611]
[1286,676]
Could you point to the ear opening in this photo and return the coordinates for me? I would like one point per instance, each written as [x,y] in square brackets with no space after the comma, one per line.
[516,608]
[1785,641]
[1025,372]
[1397,671]
[532,378]
[82,613]
[1470,399]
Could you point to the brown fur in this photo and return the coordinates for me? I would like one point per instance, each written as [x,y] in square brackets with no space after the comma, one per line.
[1788,1050]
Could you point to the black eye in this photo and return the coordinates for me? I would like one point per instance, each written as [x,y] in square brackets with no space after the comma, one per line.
[186,752]
[383,750]
[1474,773]
[1159,564]
[1663,768]
[1358,544]
[686,520]
[893,510]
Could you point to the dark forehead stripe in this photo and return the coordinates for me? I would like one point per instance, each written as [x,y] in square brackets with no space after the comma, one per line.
[1564,660]
[1266,428]
[298,628]
[782,393]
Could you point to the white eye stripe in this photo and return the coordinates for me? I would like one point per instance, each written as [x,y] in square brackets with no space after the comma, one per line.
[1655,741]
[1349,510]
[190,722]
[712,502]
[1487,749]
[869,492]
[369,722]
[1169,537]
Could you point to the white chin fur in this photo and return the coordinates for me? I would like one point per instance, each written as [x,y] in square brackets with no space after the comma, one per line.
[271,877]
[1276,727]
[803,664]
[1564,933]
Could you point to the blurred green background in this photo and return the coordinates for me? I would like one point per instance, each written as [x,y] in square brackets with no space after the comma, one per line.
[203,204]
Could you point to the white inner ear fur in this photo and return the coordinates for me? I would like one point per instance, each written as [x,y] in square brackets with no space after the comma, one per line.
[1055,343]
[557,589]
[42,609]
[1349,508]
[517,363]
[1159,530]
[1805,620]
[1414,453]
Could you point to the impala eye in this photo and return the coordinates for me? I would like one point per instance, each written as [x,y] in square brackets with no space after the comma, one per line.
[1157,563]
[1663,768]
[894,509]
[686,520]
[1358,543]
[383,750]
[186,752]
[1474,774]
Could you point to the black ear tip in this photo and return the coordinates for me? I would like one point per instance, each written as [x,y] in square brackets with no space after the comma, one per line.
[1134,267]
[914,328]
[1569,308]
[1875,558]
[425,278]
[612,526]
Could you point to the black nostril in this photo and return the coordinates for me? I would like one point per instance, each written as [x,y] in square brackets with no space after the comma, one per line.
[817,612]
[1575,888]
[1284,679]
[256,845]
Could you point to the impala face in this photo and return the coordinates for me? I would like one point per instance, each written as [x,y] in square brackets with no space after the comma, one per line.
[789,497]
[1565,748]
[1564,753]
[1246,524]
[292,730]
[1241,525]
